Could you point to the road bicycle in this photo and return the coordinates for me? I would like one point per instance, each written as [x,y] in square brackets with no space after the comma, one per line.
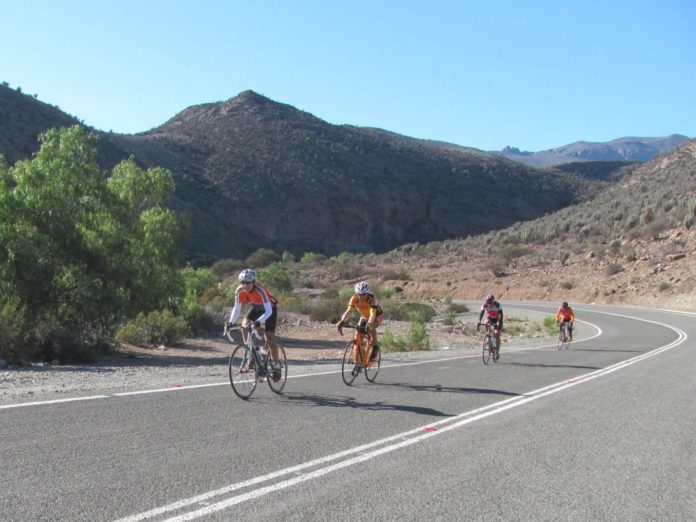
[251,363]
[489,348]
[563,336]
[356,356]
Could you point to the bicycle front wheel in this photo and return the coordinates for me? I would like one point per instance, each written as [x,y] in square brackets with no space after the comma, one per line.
[351,363]
[486,349]
[563,340]
[242,372]
[277,378]
[372,368]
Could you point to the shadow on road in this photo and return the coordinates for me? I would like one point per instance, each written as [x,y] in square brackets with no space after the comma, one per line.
[344,401]
[447,389]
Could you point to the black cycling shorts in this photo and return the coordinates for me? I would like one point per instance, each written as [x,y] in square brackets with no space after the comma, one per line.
[270,325]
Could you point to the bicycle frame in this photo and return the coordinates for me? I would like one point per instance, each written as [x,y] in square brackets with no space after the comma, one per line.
[357,358]
[490,343]
[248,366]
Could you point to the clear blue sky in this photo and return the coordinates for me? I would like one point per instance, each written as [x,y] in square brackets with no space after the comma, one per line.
[484,74]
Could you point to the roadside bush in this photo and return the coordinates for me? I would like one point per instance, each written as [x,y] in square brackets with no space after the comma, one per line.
[418,338]
[614,268]
[154,329]
[457,308]
[396,275]
[276,276]
[289,302]
[226,267]
[13,325]
[330,307]
[404,311]
[311,257]
[388,343]
[550,323]
[261,258]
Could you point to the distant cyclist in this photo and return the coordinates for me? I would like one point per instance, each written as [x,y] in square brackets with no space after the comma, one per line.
[263,310]
[494,318]
[365,303]
[565,314]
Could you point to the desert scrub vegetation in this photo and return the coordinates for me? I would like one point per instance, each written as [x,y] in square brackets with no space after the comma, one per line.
[521,326]
[417,339]
[154,329]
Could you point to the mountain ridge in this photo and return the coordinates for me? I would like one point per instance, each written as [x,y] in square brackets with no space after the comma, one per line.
[252,172]
[628,148]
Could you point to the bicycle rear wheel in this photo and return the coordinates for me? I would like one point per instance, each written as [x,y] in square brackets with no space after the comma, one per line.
[372,368]
[243,370]
[351,363]
[277,378]
[486,349]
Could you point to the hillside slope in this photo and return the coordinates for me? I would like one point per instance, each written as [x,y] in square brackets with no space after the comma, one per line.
[256,173]
[252,173]
[634,243]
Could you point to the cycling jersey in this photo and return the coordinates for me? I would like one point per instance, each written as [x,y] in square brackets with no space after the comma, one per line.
[565,313]
[367,308]
[492,310]
[260,299]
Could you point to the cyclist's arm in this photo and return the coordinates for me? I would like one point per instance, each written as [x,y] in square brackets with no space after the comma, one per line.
[373,315]
[267,311]
[347,313]
[234,315]
[500,320]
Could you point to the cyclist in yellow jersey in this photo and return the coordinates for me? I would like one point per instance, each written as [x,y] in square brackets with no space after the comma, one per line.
[370,312]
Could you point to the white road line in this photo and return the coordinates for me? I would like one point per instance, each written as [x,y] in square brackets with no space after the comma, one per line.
[387,445]
[54,401]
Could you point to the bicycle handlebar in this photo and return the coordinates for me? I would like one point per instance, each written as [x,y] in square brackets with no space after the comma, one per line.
[249,328]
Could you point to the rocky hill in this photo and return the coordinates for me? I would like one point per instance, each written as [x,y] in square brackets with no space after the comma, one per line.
[622,149]
[22,119]
[255,173]
[634,243]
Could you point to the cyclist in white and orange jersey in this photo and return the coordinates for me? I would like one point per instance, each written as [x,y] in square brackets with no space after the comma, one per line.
[263,310]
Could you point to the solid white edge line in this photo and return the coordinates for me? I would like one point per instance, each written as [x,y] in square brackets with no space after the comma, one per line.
[52,401]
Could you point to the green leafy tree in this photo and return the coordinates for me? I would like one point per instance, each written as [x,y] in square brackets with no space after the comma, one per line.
[80,252]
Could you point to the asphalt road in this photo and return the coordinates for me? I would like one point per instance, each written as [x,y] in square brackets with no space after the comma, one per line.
[604,431]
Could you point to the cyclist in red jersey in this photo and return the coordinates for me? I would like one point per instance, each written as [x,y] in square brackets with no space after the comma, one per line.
[494,317]
[565,314]
[263,310]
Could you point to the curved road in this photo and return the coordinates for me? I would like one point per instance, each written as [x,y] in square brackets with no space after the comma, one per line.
[603,431]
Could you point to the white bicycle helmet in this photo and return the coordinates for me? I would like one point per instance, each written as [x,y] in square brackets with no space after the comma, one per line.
[489,298]
[247,275]
[362,287]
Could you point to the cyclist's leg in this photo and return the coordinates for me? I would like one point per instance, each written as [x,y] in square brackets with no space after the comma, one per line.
[269,335]
[373,337]
[496,334]
[570,331]
[251,316]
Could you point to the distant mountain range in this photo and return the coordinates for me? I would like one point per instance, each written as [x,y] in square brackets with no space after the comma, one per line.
[251,172]
[621,149]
